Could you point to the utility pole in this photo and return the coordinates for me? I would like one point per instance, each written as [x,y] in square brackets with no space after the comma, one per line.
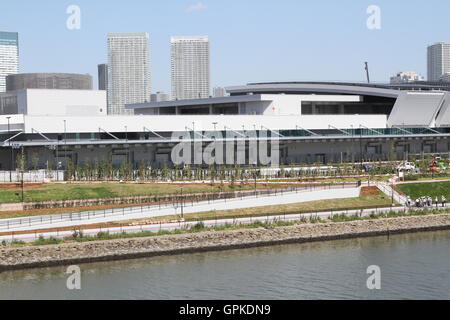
[367,72]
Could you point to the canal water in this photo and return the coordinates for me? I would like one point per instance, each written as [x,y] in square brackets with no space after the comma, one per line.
[414,266]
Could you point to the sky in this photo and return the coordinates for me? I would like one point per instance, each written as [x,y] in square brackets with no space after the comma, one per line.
[251,40]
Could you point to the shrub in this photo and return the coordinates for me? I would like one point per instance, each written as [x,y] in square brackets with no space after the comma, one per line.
[50,241]
[198,227]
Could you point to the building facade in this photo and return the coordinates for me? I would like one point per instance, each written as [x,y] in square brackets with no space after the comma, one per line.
[438,60]
[190,67]
[62,81]
[159,97]
[50,102]
[9,56]
[103,76]
[406,77]
[128,71]
[309,123]
[445,77]
[219,92]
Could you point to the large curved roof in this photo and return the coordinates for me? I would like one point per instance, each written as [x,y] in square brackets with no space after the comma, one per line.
[381,90]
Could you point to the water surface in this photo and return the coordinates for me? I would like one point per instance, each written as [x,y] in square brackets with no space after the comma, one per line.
[415,266]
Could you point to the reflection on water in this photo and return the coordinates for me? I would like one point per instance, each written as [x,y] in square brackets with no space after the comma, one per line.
[413,266]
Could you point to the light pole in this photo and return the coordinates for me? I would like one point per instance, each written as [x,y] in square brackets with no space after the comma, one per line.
[22,169]
[128,150]
[57,160]
[182,204]
[11,151]
[360,147]
[353,153]
[65,133]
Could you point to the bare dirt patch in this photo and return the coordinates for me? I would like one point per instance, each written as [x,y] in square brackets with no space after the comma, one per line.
[27,186]
[370,191]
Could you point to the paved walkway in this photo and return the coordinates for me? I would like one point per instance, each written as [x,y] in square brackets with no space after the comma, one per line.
[105,216]
[423,181]
[211,223]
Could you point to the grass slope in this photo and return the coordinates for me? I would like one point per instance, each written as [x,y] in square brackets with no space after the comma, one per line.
[432,189]
[61,192]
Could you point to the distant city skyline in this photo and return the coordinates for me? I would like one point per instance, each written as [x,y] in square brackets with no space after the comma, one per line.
[406,77]
[129,77]
[438,60]
[291,45]
[103,76]
[9,56]
[190,68]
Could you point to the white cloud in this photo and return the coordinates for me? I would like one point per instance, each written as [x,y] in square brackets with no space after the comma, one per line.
[196,7]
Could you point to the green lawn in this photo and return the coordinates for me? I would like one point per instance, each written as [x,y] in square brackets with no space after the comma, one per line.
[431,189]
[60,192]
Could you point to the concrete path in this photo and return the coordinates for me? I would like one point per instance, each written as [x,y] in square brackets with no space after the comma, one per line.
[104,216]
[210,223]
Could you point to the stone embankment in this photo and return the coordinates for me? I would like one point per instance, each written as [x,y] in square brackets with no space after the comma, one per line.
[77,253]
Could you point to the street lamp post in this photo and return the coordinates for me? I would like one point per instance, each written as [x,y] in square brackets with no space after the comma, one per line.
[65,133]
[22,169]
[360,147]
[11,151]
[182,204]
[127,148]
[57,160]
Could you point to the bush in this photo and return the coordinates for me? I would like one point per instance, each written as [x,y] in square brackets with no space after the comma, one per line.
[77,234]
[50,241]
[198,227]
[103,235]
[17,243]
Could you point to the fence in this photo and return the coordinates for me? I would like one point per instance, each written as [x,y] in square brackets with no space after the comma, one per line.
[36,176]
[389,190]
[233,221]
[177,203]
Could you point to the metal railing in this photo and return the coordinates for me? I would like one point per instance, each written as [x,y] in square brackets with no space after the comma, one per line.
[223,221]
[177,204]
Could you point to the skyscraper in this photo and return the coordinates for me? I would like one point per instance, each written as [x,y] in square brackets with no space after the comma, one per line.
[128,71]
[190,67]
[103,77]
[9,56]
[438,60]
